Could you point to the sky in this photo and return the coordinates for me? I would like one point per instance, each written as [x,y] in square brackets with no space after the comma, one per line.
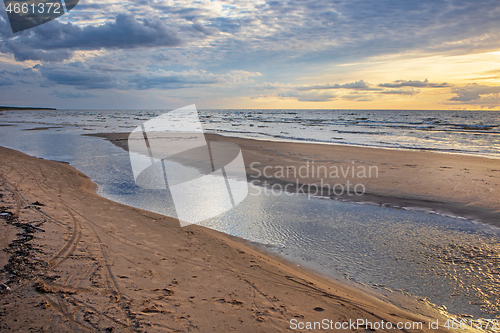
[254,54]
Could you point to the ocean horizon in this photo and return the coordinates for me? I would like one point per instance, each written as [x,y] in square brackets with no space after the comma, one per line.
[447,131]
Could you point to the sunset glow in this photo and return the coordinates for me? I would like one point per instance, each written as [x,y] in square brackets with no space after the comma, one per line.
[267,54]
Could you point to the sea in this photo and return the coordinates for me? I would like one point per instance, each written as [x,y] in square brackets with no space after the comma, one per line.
[464,132]
[448,262]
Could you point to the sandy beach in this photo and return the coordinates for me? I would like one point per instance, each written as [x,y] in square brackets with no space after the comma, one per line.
[452,184]
[75,261]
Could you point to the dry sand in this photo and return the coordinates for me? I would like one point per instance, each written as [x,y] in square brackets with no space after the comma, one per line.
[75,261]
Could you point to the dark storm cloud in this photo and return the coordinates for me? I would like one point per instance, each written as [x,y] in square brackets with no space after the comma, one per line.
[56,41]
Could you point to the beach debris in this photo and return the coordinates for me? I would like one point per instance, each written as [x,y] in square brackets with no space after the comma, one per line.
[21,263]
[168,291]
[232,302]
[34,227]
[154,309]
[43,288]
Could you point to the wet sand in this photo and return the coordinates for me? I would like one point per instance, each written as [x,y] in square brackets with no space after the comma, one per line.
[75,261]
[452,184]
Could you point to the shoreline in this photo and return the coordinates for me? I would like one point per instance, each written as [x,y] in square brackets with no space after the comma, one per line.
[311,141]
[455,185]
[96,264]
[20,108]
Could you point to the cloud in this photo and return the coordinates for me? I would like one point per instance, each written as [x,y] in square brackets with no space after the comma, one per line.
[414,83]
[409,92]
[226,24]
[69,94]
[56,41]
[214,47]
[272,86]
[126,32]
[7,78]
[84,77]
[173,80]
[491,74]
[185,79]
[327,31]
[24,76]
[317,93]
[358,97]
[111,68]
[474,93]
[5,82]
[358,85]
[321,30]
[77,75]
[308,97]
[489,101]
[358,91]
